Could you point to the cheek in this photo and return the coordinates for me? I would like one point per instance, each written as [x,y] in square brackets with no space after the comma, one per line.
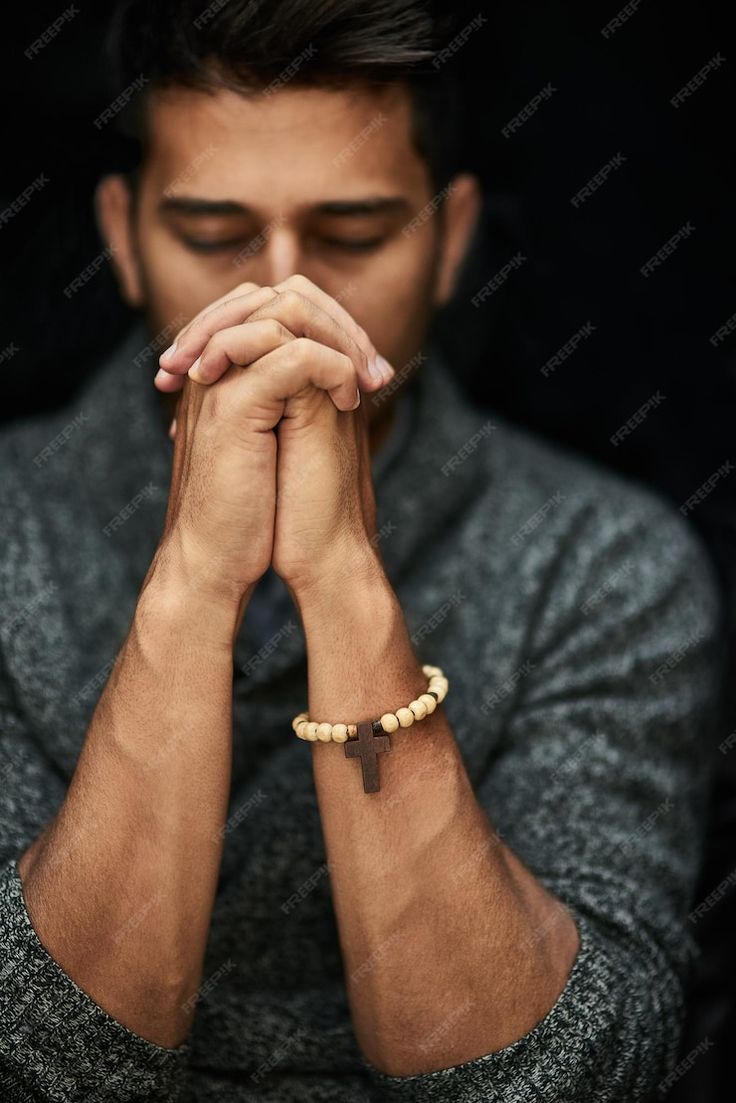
[177,282]
[394,303]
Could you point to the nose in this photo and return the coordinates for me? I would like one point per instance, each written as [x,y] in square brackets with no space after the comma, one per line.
[280,254]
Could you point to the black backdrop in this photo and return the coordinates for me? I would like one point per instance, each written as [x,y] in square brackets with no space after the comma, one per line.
[605,99]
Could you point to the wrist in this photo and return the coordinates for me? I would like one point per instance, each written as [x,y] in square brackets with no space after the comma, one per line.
[180,599]
[348,580]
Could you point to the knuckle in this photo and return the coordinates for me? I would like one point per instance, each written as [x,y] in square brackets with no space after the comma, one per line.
[300,350]
[203,323]
[214,311]
[214,345]
[276,331]
[208,312]
[299,282]
[291,300]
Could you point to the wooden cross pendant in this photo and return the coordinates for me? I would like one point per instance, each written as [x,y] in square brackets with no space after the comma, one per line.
[367,747]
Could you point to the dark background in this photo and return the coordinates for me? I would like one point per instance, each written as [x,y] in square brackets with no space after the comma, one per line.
[612,95]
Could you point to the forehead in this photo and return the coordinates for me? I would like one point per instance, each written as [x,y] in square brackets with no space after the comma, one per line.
[287,148]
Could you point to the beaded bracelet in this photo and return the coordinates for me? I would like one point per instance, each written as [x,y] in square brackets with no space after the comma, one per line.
[369,737]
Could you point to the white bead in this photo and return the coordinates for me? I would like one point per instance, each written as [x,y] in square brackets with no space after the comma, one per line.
[311,734]
[389,722]
[430,670]
[324,732]
[301,731]
[405,717]
[441,692]
[418,708]
[433,686]
[339,733]
[428,700]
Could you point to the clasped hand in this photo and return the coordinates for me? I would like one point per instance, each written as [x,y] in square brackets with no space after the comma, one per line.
[271,458]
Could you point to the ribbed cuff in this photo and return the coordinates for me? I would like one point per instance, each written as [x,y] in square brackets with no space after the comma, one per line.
[563,1059]
[55,1041]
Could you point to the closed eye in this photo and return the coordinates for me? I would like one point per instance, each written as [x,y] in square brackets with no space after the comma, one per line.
[353,245]
[199,245]
[350,245]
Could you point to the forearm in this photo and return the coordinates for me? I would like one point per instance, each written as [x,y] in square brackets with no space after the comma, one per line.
[120,885]
[452,948]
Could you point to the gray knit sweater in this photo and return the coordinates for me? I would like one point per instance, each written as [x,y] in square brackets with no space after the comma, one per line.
[577,618]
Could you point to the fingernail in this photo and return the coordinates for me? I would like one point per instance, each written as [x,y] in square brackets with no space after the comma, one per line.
[168,354]
[374,369]
[357,400]
[161,375]
[387,372]
[195,370]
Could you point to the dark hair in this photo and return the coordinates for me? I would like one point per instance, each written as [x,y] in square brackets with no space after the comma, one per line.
[248,46]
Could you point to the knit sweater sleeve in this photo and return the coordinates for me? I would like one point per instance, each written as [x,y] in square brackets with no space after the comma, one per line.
[56,1043]
[599,785]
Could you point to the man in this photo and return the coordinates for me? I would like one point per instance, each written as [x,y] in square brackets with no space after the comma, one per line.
[195,904]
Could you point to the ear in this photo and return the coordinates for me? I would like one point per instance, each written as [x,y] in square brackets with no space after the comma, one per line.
[461,212]
[113,207]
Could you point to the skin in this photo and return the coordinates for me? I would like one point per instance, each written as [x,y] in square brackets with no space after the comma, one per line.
[225,147]
[271,406]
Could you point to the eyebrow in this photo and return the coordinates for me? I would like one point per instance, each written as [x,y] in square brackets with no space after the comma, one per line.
[192,205]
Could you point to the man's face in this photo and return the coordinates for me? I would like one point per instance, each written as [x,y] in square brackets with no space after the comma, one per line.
[257,188]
